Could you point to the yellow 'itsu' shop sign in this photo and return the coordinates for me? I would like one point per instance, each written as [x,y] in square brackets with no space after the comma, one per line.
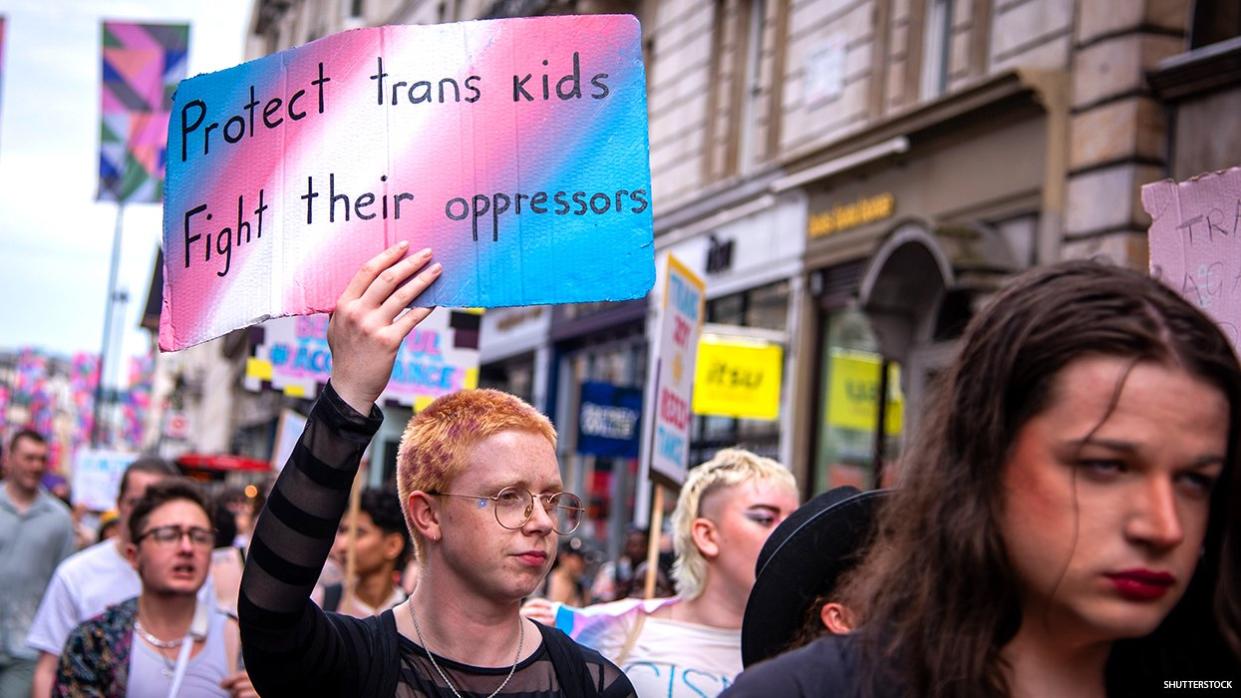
[738,378]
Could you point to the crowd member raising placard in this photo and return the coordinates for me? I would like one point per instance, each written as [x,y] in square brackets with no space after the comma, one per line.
[480,489]
[690,644]
[1067,524]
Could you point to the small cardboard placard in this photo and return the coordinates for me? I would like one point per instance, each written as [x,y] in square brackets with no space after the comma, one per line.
[97,477]
[1194,243]
[516,149]
[672,378]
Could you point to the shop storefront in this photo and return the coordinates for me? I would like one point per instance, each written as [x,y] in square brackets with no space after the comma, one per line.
[750,259]
[515,355]
[902,243]
[598,348]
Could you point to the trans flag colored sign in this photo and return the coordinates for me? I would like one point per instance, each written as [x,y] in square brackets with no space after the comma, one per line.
[516,149]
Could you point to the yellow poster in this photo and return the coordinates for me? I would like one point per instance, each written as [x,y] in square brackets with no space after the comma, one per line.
[738,379]
[853,389]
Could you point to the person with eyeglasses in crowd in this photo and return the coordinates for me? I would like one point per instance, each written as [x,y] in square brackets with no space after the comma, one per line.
[86,583]
[481,492]
[166,641]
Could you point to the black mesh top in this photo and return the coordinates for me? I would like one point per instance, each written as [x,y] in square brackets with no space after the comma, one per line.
[292,647]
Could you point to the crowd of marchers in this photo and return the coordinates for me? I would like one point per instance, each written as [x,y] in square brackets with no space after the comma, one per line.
[1067,521]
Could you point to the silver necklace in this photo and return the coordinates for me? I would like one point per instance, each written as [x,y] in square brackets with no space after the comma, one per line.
[161,644]
[521,633]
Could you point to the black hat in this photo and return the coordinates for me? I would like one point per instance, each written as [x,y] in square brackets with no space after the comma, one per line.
[804,557]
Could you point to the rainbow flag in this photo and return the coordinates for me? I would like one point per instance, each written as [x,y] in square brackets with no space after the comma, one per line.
[142,64]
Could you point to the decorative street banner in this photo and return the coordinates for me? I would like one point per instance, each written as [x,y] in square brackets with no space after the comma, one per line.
[609,420]
[738,377]
[1193,242]
[515,149]
[680,325]
[142,64]
[439,357]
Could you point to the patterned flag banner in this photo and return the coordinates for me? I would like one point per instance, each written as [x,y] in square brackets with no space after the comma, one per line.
[142,64]
[53,395]
[516,149]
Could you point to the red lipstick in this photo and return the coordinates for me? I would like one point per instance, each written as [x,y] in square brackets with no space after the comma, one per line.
[1141,584]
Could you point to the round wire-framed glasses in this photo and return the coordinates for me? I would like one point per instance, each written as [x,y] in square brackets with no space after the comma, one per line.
[513,507]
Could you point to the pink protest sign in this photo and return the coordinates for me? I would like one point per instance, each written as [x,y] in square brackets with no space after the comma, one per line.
[1194,242]
[439,357]
[516,149]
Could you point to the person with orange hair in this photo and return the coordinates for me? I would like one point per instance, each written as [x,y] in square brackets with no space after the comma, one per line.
[481,492]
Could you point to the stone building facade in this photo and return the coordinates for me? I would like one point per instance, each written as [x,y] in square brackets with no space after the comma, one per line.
[854,177]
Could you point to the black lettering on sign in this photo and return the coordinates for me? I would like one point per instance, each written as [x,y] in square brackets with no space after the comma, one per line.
[238,127]
[1188,227]
[358,206]
[224,240]
[491,209]
[567,86]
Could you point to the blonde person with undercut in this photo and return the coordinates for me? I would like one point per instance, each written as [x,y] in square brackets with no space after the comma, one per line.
[480,491]
[689,645]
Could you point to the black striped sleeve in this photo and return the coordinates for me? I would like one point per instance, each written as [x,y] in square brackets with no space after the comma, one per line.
[284,634]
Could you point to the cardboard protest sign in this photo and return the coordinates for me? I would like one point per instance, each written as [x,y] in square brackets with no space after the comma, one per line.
[680,326]
[439,357]
[1194,243]
[288,431]
[516,149]
[97,477]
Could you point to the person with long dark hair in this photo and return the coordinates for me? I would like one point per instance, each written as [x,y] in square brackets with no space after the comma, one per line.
[1067,519]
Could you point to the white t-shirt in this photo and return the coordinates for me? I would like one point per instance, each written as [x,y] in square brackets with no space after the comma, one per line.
[150,673]
[83,586]
[669,659]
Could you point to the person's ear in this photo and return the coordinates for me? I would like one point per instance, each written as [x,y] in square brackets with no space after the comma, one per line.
[424,516]
[706,537]
[393,542]
[131,554]
[836,618]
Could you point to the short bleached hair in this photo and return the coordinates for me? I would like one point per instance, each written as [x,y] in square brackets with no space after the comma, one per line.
[437,441]
[729,467]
